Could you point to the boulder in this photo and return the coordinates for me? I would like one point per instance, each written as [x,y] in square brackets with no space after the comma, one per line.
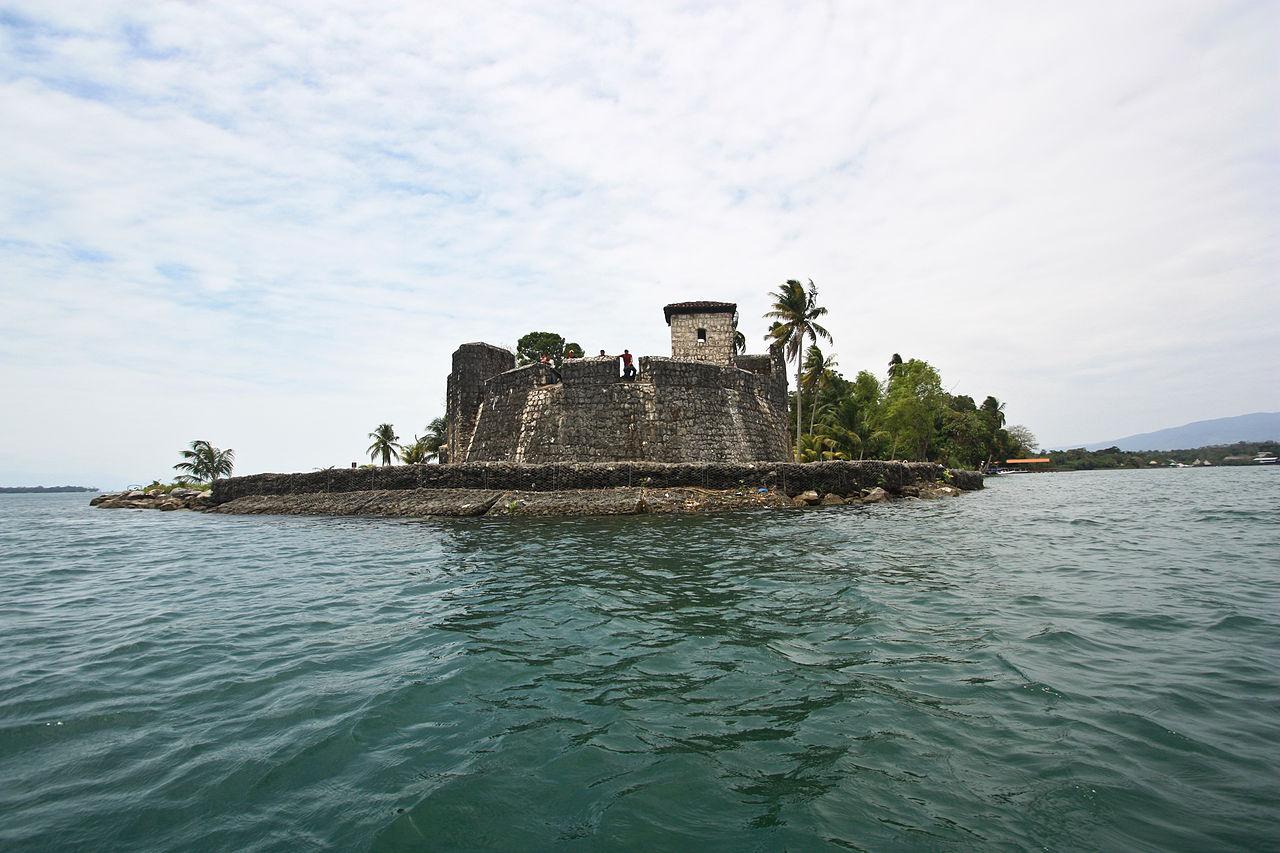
[911,491]
[875,496]
[809,498]
[134,493]
[168,504]
[832,500]
[966,481]
[100,499]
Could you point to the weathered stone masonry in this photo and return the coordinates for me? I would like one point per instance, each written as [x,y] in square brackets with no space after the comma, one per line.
[702,405]
[701,431]
[787,478]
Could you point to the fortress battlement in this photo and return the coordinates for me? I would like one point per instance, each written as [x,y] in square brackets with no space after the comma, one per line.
[705,403]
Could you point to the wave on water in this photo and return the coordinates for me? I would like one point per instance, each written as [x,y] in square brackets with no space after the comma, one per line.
[1080,661]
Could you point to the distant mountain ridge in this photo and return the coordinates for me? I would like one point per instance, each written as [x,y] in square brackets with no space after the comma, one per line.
[1259,426]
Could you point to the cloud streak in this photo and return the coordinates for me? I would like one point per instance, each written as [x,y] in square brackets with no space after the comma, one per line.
[270,228]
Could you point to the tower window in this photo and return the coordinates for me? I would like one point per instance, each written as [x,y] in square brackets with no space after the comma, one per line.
[702,336]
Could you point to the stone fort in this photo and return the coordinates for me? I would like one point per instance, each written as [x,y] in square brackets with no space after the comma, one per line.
[705,403]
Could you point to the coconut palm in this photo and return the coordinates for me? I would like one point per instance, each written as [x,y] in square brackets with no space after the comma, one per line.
[818,370]
[385,444]
[796,311]
[992,414]
[894,364]
[819,448]
[435,442]
[846,422]
[414,453]
[739,342]
[205,462]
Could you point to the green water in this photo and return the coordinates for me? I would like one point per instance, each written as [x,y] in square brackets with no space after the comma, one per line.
[1066,662]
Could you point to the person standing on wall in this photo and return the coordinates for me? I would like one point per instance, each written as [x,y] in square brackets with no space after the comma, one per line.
[628,368]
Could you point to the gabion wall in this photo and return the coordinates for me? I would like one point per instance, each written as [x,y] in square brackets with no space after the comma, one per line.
[842,478]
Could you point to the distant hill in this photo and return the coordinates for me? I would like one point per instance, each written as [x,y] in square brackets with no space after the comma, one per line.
[36,490]
[1259,426]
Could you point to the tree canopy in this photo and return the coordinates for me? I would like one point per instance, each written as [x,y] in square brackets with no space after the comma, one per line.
[795,312]
[906,414]
[530,348]
[385,444]
[204,462]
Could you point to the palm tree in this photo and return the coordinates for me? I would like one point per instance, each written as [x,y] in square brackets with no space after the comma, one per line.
[206,462]
[414,453]
[894,364]
[739,342]
[435,442]
[992,413]
[820,448]
[844,421]
[795,311]
[818,369]
[384,444]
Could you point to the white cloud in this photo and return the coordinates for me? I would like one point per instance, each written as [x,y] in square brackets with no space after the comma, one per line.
[271,228]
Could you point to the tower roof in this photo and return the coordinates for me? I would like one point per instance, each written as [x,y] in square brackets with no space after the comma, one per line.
[699,307]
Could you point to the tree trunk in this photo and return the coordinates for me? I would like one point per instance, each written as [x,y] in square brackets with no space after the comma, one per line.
[813,410]
[799,394]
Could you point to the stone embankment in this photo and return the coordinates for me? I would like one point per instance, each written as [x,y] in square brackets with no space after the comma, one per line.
[164,501]
[473,489]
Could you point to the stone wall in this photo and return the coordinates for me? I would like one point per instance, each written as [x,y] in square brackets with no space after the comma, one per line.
[473,365]
[718,346]
[786,478]
[688,411]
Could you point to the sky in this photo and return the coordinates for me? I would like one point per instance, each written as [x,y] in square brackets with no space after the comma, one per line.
[269,226]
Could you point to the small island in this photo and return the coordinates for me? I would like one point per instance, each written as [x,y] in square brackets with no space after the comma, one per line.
[548,431]
[705,429]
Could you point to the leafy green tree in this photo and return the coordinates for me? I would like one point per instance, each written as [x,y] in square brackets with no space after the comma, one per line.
[206,462]
[963,439]
[1023,439]
[913,405]
[385,444]
[529,349]
[796,311]
[572,350]
[852,418]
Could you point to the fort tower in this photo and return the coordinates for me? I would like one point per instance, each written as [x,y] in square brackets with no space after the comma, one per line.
[702,331]
[703,404]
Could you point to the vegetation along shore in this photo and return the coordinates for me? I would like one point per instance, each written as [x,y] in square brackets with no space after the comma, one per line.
[865,439]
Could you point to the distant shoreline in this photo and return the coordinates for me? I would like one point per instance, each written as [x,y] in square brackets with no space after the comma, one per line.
[36,490]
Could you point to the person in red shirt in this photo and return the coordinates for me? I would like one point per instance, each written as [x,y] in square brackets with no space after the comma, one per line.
[628,369]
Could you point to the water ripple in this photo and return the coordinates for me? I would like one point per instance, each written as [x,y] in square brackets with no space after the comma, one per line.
[1063,661]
